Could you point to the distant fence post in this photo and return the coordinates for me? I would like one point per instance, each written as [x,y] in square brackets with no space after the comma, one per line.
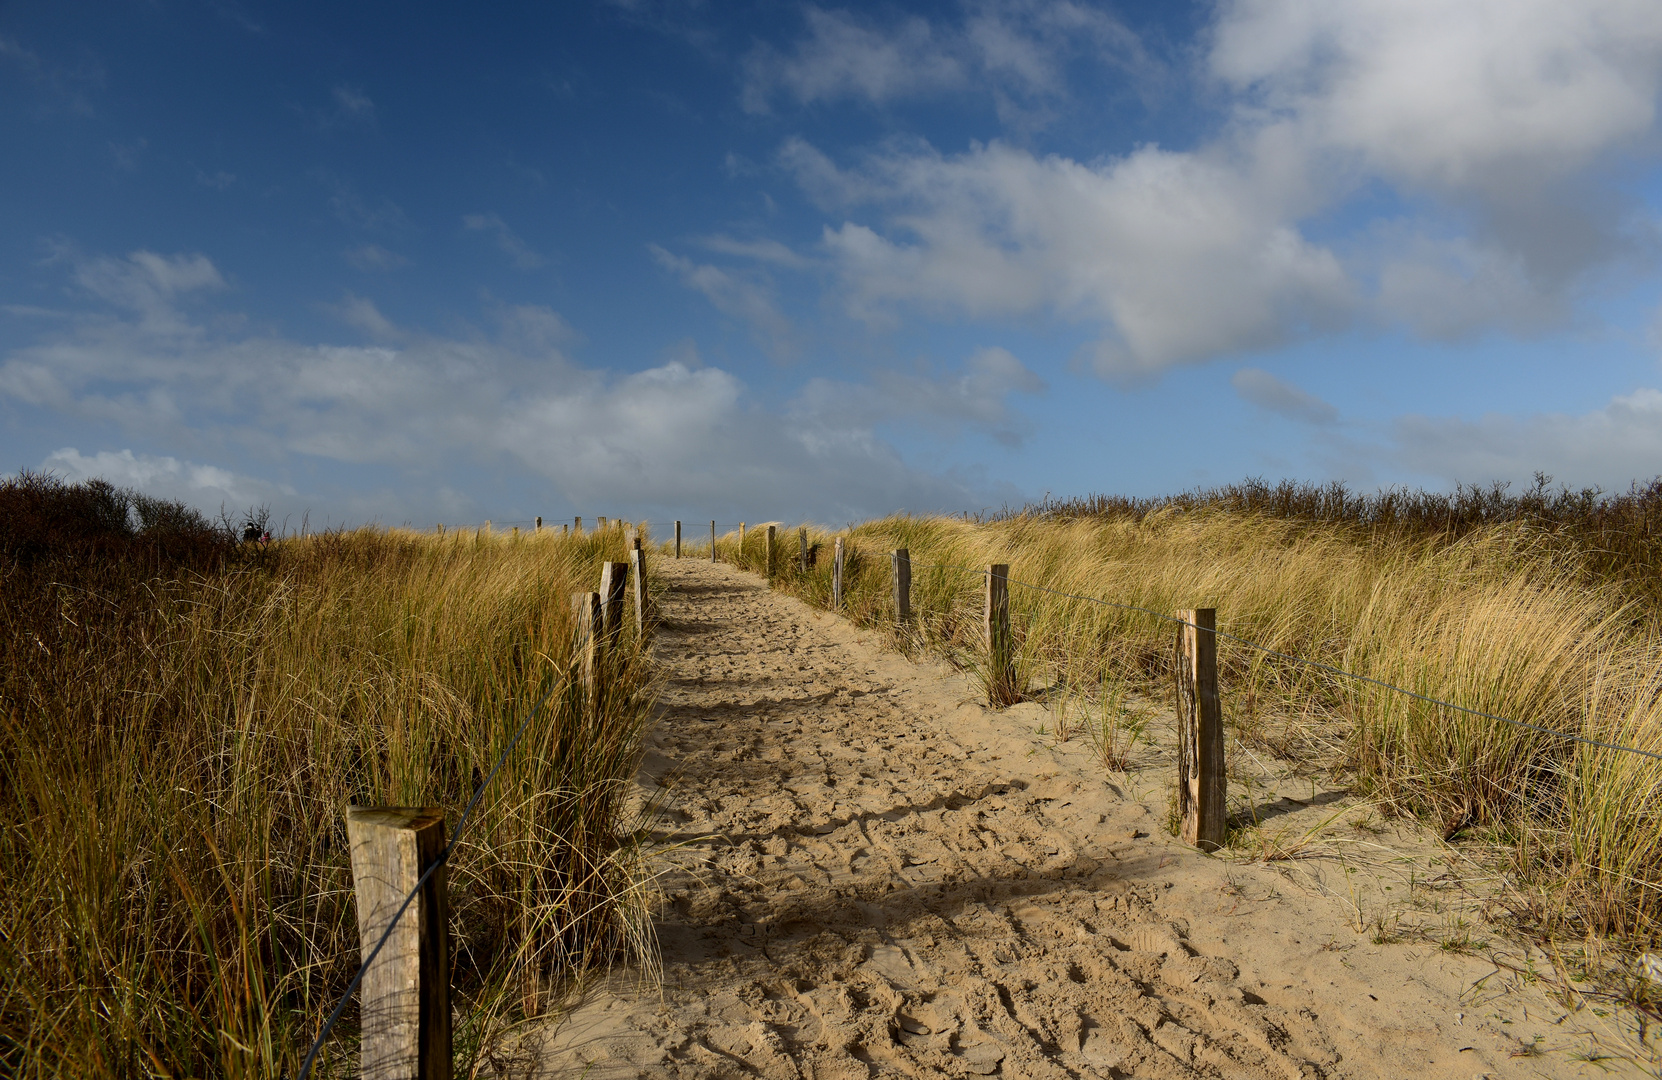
[404,1001]
[577,525]
[1001,668]
[802,542]
[638,557]
[586,609]
[539,523]
[902,584]
[600,525]
[837,576]
[677,539]
[1200,771]
[712,541]
[614,578]
[741,544]
[769,559]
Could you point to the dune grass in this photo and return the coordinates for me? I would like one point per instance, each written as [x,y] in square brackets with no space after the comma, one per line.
[1507,617]
[178,744]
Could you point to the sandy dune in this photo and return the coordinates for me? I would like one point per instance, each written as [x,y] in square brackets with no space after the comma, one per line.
[878,876]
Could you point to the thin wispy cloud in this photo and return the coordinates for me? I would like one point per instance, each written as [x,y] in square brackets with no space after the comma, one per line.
[508,242]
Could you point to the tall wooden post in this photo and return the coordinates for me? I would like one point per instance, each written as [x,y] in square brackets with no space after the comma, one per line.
[638,557]
[614,579]
[677,539]
[712,541]
[539,523]
[902,563]
[600,525]
[837,576]
[1201,785]
[769,559]
[802,543]
[1001,667]
[577,525]
[404,1001]
[590,629]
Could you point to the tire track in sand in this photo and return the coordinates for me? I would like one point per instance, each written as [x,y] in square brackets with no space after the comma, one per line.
[874,879]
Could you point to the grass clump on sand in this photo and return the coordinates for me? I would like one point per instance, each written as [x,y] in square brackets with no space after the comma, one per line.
[1521,609]
[185,720]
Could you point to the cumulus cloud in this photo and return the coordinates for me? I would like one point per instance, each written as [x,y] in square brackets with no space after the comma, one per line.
[746,297]
[507,241]
[419,405]
[1609,447]
[1282,398]
[1488,122]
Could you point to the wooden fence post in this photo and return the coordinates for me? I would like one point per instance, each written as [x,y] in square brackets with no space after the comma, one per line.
[638,557]
[577,525]
[769,559]
[590,629]
[712,541]
[1001,668]
[902,563]
[802,542]
[404,1000]
[741,543]
[539,523]
[677,539]
[614,579]
[565,530]
[837,576]
[600,525]
[1201,785]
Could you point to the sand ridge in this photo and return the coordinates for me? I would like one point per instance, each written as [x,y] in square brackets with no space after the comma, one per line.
[874,875]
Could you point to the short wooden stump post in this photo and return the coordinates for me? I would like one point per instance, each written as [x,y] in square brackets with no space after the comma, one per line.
[405,994]
[837,576]
[901,561]
[1001,658]
[1201,785]
[638,557]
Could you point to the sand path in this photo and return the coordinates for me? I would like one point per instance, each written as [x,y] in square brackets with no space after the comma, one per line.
[876,876]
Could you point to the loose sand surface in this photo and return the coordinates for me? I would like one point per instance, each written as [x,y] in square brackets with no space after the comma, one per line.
[868,874]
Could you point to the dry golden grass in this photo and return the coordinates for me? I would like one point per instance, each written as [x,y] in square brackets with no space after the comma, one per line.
[175,759]
[1498,619]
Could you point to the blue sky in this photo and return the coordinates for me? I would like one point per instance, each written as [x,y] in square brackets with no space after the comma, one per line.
[378,262]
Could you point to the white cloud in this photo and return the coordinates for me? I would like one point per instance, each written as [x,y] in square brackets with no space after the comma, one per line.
[149,285]
[1488,124]
[1181,255]
[1282,398]
[675,435]
[977,397]
[1015,51]
[207,487]
[363,314]
[353,104]
[747,298]
[507,241]
[1609,447]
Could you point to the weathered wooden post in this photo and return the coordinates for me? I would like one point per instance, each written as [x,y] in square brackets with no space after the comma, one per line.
[1201,785]
[769,559]
[1001,668]
[638,557]
[837,576]
[600,525]
[677,539]
[902,563]
[590,629]
[712,541]
[802,543]
[565,530]
[741,543]
[539,523]
[404,1000]
[577,525]
[614,579]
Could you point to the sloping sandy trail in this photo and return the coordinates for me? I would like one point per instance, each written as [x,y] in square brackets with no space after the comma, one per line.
[879,877]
